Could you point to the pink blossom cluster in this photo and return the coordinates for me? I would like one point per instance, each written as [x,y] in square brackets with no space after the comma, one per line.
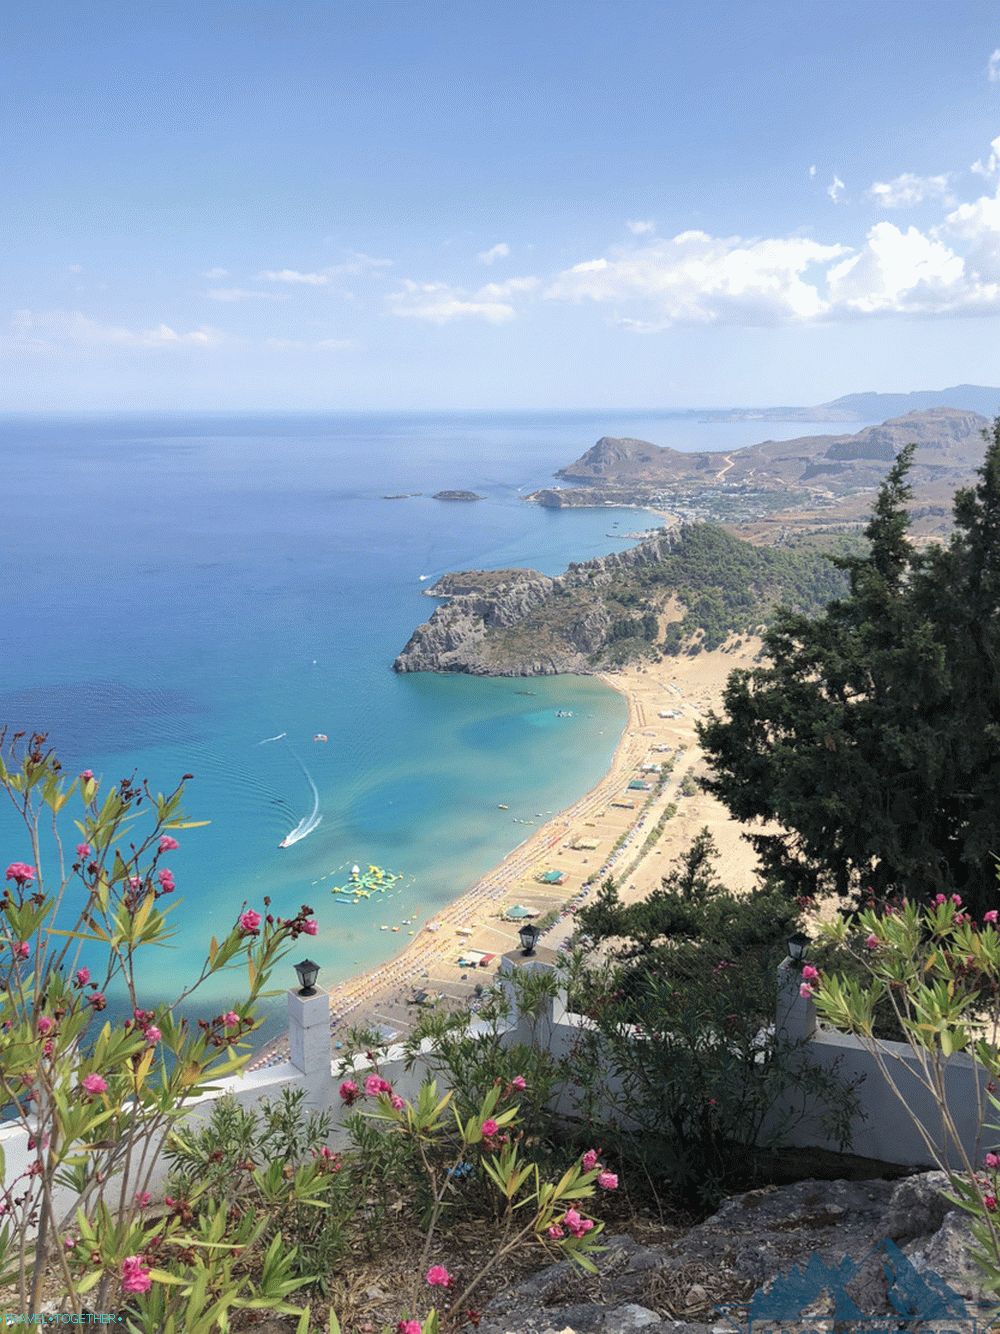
[810,977]
[135,1275]
[21,873]
[438,1277]
[374,1087]
[572,1222]
[605,1179]
[143,1021]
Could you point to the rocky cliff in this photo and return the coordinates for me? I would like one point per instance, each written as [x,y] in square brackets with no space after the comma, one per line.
[523,623]
[687,582]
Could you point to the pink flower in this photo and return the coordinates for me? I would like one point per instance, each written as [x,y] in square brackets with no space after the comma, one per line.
[805,991]
[992,1160]
[142,1198]
[408,1327]
[349,1091]
[576,1224]
[135,1275]
[810,973]
[555,1232]
[375,1084]
[44,1024]
[397,1102]
[83,849]
[438,1277]
[939,899]
[519,1082]
[872,941]
[82,977]
[22,950]
[310,926]
[489,1128]
[231,1019]
[991,916]
[87,773]
[153,1035]
[69,1242]
[590,1160]
[607,1181]
[21,873]
[97,999]
[94,1084]
[135,882]
[991,1203]
[168,843]
[166,879]
[250,921]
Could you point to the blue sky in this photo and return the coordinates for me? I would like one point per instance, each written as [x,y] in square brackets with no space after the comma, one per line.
[451,205]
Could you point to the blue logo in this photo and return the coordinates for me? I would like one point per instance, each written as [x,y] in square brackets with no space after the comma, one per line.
[915,1298]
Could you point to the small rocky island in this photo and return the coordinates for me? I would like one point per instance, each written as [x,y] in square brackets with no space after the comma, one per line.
[457,495]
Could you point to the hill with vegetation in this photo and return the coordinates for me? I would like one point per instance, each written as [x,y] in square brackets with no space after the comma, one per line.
[687,588]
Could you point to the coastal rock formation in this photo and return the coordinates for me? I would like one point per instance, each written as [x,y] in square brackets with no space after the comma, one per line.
[888,1232]
[684,581]
[524,623]
[825,479]
[457,495]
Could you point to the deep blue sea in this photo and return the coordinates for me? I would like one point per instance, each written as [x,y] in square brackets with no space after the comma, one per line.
[178,588]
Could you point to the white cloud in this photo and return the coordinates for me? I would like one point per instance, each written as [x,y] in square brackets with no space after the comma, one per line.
[990,165]
[72,328]
[898,272]
[310,345]
[835,189]
[234,294]
[975,227]
[696,278]
[74,268]
[812,170]
[907,190]
[295,277]
[440,303]
[641,226]
[215,274]
[356,263]
[993,67]
[499,251]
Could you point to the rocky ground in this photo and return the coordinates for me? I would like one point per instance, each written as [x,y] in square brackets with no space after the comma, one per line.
[703,1281]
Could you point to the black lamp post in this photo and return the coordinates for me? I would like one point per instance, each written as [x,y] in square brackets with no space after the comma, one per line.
[529,938]
[797,946]
[307,972]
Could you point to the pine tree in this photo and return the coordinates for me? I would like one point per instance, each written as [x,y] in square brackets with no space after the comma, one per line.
[871,736]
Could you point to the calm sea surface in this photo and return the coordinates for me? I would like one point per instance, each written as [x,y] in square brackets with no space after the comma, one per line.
[176,589]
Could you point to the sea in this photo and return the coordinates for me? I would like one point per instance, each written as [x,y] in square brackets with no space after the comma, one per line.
[178,589]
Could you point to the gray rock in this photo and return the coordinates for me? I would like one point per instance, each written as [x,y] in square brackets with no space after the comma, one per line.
[753,1240]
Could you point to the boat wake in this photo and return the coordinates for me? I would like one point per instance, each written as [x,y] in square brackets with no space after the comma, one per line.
[280,737]
[310,822]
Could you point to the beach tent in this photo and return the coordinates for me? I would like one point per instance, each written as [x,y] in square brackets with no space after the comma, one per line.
[519,913]
[553,877]
[637,785]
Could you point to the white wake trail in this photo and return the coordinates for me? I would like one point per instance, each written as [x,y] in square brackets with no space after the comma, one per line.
[305,826]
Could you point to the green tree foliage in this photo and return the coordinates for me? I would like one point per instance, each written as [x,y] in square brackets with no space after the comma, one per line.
[872,735]
[683,1015]
[728,585]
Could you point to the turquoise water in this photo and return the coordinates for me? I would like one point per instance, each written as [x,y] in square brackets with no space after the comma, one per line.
[177,589]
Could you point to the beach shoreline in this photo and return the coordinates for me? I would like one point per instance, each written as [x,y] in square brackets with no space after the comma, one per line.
[604,832]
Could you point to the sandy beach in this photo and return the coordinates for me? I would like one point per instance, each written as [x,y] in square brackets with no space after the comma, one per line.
[604,833]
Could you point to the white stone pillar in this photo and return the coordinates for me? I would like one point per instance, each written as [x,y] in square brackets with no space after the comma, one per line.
[795,1015]
[309,1043]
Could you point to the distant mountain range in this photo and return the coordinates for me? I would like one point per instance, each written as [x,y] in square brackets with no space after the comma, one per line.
[871,406]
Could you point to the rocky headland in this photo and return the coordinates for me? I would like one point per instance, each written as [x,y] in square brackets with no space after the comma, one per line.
[457,495]
[816,481]
[688,585]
